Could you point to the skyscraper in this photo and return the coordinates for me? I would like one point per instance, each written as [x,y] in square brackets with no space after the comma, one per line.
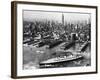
[62,19]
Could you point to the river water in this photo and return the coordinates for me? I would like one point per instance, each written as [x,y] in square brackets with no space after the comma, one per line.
[33,56]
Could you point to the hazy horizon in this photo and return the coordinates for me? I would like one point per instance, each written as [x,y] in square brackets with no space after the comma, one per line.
[56,16]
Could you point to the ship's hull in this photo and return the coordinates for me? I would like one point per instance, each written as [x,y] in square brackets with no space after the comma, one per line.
[54,62]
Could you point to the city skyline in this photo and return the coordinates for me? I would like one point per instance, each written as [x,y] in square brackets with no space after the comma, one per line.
[55,16]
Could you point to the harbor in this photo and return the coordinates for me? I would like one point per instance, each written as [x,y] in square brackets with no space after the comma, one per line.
[77,54]
[53,44]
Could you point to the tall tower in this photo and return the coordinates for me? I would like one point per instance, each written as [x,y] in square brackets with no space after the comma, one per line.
[62,19]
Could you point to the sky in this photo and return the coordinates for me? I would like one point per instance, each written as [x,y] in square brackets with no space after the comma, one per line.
[57,16]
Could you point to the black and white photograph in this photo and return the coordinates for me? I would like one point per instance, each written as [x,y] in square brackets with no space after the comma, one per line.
[53,39]
[56,39]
